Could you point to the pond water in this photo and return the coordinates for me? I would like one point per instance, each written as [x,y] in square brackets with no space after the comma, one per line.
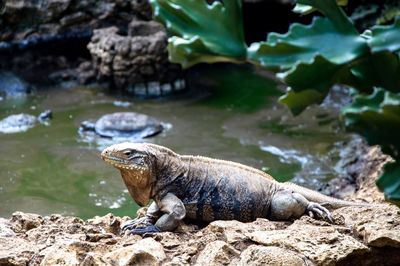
[232,114]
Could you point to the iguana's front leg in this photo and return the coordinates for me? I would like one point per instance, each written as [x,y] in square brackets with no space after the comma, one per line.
[162,216]
[144,224]
[287,204]
[174,211]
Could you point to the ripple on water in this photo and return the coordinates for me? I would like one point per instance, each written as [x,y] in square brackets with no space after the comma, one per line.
[314,169]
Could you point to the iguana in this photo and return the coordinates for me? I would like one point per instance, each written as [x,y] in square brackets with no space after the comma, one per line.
[205,189]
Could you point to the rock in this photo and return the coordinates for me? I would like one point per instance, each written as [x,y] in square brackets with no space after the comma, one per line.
[25,18]
[361,236]
[11,86]
[377,226]
[138,61]
[109,223]
[235,231]
[16,251]
[22,222]
[32,30]
[60,256]
[216,253]
[322,244]
[6,228]
[145,252]
[73,252]
[260,255]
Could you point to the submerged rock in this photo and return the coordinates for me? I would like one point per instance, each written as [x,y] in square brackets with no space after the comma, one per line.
[23,122]
[12,86]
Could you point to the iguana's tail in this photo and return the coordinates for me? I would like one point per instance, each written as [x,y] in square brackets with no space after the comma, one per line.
[324,200]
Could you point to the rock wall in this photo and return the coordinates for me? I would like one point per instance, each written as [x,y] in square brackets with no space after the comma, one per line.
[136,61]
[24,19]
[50,39]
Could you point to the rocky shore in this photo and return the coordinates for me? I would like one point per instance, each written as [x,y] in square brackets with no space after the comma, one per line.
[360,236]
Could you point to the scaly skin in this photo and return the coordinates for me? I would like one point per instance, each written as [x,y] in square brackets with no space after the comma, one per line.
[205,189]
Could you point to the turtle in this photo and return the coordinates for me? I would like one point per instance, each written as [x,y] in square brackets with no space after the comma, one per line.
[129,125]
[22,122]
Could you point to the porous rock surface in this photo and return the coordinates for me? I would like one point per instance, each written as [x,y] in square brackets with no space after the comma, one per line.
[25,19]
[363,236]
[136,61]
[69,42]
[359,236]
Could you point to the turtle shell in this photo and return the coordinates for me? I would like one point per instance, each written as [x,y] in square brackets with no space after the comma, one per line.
[127,125]
[17,123]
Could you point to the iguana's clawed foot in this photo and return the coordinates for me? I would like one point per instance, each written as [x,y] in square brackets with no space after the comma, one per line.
[140,226]
[322,212]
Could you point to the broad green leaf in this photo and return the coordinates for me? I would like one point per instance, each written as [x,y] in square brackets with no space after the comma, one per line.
[299,101]
[334,13]
[319,75]
[386,38]
[377,118]
[389,182]
[204,32]
[378,70]
[381,69]
[193,51]
[303,42]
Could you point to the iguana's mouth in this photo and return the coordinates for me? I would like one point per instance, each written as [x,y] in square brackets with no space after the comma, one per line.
[121,163]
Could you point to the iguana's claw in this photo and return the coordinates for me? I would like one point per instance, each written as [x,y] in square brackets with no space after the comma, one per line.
[320,211]
[137,223]
[145,230]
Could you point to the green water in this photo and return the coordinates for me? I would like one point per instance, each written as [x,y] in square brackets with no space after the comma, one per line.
[232,115]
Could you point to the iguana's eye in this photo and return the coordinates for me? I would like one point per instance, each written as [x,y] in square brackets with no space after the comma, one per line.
[128,153]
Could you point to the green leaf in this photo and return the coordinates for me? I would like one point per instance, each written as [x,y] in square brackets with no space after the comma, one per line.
[386,38]
[377,118]
[303,42]
[319,75]
[389,182]
[299,101]
[193,51]
[334,13]
[378,70]
[204,32]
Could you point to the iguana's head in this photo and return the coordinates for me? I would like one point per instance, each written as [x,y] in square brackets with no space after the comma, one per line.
[138,165]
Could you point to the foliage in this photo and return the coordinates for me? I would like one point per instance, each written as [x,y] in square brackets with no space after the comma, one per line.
[198,36]
[389,182]
[308,58]
[377,117]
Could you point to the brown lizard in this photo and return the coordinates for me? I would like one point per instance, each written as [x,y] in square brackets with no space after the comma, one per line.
[207,189]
